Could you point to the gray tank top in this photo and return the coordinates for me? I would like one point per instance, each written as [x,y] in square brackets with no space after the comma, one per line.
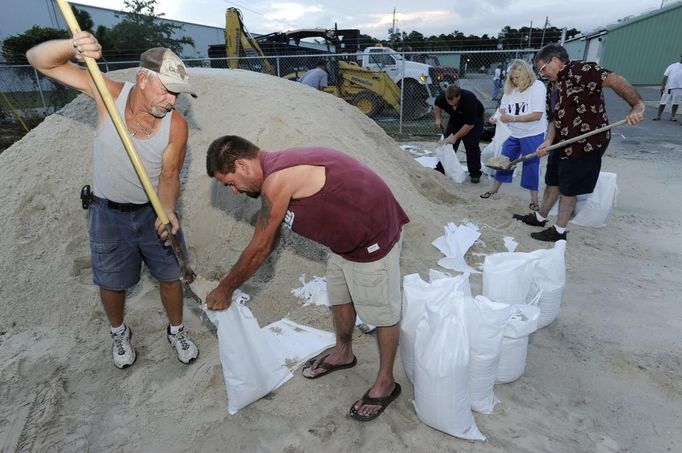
[114,175]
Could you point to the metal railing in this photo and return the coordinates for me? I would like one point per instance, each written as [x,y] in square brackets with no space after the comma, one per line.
[396,96]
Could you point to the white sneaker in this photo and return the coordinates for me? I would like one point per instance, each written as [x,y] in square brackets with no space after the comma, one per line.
[122,350]
[184,347]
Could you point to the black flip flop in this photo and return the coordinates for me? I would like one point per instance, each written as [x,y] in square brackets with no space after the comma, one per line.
[327,367]
[382,402]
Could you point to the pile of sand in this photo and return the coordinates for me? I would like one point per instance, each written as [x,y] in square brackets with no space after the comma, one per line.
[59,389]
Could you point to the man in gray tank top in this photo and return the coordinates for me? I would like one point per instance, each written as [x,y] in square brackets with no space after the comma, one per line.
[123,227]
[331,198]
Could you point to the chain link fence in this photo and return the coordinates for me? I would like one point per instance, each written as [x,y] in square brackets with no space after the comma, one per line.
[395,89]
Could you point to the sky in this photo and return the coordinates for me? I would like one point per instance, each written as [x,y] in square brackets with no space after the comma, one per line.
[429,17]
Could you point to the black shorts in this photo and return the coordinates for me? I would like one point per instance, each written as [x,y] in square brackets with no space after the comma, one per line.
[574,176]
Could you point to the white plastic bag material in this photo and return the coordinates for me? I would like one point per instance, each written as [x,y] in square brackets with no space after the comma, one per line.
[549,279]
[508,276]
[441,370]
[494,148]
[251,368]
[295,343]
[453,169]
[416,294]
[485,323]
[460,283]
[454,244]
[514,350]
[598,205]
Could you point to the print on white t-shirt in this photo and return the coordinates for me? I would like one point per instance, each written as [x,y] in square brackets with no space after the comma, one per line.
[522,103]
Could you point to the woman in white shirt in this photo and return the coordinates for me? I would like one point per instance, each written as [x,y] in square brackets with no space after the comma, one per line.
[523,109]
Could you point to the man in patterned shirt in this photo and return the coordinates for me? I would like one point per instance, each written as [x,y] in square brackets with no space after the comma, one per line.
[575,106]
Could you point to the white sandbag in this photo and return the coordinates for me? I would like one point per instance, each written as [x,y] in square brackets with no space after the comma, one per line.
[508,277]
[460,282]
[549,279]
[251,368]
[523,322]
[494,148]
[448,158]
[416,294]
[598,205]
[485,323]
[441,371]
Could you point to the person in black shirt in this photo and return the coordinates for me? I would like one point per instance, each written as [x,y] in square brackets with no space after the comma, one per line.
[465,124]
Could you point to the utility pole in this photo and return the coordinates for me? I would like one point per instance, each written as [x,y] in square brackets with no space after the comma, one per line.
[393,31]
[542,42]
[530,33]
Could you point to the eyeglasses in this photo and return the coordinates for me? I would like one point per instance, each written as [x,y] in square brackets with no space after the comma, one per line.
[542,68]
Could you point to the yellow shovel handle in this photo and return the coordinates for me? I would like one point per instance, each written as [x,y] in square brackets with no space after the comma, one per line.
[116,118]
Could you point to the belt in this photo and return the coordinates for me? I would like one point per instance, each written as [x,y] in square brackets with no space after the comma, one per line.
[124,207]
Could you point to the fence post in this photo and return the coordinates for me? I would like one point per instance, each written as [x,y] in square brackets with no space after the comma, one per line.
[278,70]
[40,90]
[402,95]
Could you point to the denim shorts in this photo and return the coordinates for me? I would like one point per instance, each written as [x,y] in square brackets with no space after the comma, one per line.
[373,288]
[121,241]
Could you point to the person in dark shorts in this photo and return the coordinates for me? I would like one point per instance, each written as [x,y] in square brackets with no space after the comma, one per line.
[331,198]
[575,105]
[465,124]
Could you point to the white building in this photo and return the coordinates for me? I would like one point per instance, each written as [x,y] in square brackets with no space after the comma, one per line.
[19,16]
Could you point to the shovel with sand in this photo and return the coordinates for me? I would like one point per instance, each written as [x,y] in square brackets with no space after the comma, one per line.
[503,163]
[188,276]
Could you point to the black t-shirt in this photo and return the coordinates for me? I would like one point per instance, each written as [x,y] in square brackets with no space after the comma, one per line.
[469,110]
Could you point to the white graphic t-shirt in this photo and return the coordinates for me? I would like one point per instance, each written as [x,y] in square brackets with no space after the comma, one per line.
[522,103]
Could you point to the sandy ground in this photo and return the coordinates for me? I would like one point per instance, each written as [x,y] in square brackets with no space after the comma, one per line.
[606,376]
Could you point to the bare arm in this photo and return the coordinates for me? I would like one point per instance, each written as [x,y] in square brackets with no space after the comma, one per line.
[439,120]
[527,118]
[276,194]
[169,179]
[463,131]
[664,82]
[626,91]
[549,139]
[53,58]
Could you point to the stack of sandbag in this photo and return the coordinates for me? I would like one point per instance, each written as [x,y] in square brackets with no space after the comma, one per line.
[549,281]
[435,352]
[523,322]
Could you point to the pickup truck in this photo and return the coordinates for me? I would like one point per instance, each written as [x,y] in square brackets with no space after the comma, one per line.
[419,83]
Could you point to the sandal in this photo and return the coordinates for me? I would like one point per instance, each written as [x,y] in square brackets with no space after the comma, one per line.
[381,402]
[534,207]
[325,367]
[487,194]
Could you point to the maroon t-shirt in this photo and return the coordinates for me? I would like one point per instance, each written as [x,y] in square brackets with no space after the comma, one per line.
[578,107]
[354,214]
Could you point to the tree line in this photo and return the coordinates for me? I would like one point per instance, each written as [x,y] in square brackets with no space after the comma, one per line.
[140,29]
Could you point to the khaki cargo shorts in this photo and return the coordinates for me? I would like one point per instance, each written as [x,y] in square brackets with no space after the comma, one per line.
[373,288]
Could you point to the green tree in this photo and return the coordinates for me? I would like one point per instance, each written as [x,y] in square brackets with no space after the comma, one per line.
[14,48]
[141,28]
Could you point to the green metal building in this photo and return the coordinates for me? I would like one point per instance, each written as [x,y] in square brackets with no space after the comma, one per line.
[638,48]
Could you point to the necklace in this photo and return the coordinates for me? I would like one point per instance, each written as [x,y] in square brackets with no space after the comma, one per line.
[140,128]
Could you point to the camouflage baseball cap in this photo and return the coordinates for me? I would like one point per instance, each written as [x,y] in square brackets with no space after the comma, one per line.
[171,70]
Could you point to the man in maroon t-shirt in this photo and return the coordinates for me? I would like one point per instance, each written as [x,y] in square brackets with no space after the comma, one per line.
[331,198]
[575,106]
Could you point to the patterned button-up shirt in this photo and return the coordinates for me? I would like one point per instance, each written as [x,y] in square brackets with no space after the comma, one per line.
[575,102]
